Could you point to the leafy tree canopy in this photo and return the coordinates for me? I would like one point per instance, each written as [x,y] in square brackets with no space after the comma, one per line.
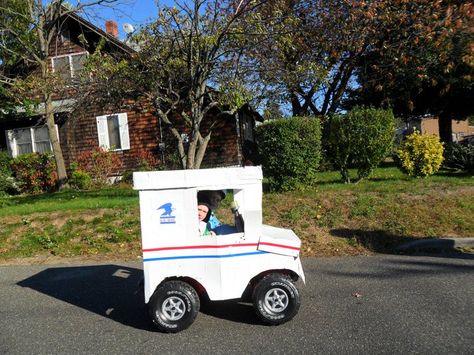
[432,72]
[315,49]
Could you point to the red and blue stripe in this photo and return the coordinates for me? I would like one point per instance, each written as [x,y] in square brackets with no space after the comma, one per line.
[209,256]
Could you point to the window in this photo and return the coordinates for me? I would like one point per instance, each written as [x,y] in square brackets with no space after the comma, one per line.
[219,220]
[247,127]
[28,140]
[248,131]
[113,131]
[65,35]
[69,66]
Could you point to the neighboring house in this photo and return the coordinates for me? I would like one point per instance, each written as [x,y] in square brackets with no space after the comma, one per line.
[233,140]
[429,125]
[131,130]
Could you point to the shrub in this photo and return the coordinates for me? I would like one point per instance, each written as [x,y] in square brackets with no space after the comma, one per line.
[5,163]
[459,156]
[35,172]
[80,180]
[420,155]
[143,161]
[7,182]
[360,139]
[99,163]
[127,177]
[7,185]
[146,161]
[290,151]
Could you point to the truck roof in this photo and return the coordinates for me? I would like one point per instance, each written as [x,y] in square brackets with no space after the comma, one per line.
[202,178]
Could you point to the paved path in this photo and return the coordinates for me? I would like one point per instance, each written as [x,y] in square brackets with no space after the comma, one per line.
[406,304]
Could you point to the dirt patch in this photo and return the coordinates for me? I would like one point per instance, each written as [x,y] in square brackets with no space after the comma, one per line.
[57,219]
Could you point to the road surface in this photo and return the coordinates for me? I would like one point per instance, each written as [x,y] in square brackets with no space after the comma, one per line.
[379,304]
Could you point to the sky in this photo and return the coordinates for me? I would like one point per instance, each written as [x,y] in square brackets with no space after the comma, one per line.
[134,12]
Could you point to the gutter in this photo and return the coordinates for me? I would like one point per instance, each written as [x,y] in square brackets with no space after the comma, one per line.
[66,105]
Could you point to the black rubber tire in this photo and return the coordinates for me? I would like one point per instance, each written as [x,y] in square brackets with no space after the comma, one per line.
[276,299]
[174,306]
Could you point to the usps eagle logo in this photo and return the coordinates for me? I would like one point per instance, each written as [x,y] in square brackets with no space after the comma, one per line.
[167,215]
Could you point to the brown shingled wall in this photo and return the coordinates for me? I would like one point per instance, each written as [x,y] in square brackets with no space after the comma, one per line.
[223,148]
[80,134]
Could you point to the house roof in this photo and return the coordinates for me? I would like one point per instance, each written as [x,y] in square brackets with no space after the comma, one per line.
[79,24]
[247,108]
[90,29]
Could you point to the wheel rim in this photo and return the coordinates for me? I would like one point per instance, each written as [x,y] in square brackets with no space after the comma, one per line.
[276,300]
[173,308]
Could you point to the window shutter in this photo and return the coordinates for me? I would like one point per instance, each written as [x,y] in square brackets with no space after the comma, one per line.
[123,127]
[102,132]
[11,143]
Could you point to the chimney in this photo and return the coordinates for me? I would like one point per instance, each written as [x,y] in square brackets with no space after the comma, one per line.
[111,28]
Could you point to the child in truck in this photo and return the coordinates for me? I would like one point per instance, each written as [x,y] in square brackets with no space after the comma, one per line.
[213,198]
[204,213]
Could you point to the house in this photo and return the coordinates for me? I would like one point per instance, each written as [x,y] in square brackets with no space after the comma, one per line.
[460,129]
[429,125]
[130,129]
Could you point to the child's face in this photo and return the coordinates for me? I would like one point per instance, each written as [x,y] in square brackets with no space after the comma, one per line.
[215,198]
[202,212]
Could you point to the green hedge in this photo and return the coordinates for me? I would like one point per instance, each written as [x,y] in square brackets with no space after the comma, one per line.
[289,151]
[360,139]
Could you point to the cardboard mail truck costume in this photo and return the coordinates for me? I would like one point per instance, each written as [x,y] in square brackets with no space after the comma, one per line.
[180,265]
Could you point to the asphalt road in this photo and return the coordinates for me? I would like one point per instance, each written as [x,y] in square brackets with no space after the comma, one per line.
[406,304]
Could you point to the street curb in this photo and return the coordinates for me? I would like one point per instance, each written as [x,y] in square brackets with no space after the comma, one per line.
[436,244]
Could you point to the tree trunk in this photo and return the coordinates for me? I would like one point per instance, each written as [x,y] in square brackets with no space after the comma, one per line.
[202,151]
[295,105]
[445,128]
[53,136]
[191,154]
[182,153]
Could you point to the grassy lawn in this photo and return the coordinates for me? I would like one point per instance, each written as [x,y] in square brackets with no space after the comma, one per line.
[331,218]
[71,223]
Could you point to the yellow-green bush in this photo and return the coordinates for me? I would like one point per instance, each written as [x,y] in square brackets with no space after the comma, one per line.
[420,155]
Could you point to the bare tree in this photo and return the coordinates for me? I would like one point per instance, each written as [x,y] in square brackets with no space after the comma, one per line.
[182,66]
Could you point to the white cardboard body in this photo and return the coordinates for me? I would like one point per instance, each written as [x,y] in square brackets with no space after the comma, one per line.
[224,264]
[279,241]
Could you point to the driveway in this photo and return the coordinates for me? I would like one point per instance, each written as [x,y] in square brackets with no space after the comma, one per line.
[379,304]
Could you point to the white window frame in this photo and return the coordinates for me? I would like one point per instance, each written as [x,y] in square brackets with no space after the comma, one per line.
[12,144]
[72,74]
[103,131]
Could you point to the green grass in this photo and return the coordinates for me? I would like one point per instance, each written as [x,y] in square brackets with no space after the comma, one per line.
[376,214]
[331,218]
[391,179]
[69,201]
[71,223]
[364,206]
